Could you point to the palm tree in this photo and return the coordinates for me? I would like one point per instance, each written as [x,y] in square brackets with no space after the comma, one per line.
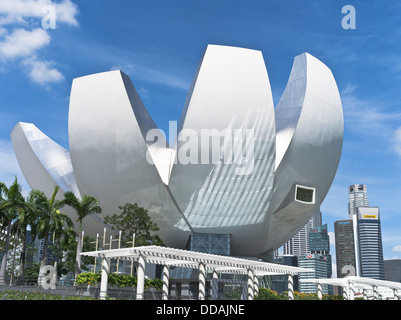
[84,207]
[50,220]
[25,217]
[12,203]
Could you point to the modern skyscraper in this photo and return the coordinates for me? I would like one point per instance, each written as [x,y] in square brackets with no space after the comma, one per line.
[358,197]
[319,264]
[370,243]
[299,244]
[359,249]
[319,243]
[345,249]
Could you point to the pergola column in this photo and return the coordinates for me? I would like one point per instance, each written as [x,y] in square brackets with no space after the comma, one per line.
[290,287]
[166,284]
[351,291]
[250,284]
[319,291]
[140,277]
[202,281]
[104,278]
[345,292]
[255,285]
[365,294]
[215,285]
[395,293]
[375,293]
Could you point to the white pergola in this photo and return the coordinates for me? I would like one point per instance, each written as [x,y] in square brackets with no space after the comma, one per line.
[168,257]
[351,283]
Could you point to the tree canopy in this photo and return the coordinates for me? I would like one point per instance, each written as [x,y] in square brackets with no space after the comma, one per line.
[135,219]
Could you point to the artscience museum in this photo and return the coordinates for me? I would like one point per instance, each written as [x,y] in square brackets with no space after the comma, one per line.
[234,165]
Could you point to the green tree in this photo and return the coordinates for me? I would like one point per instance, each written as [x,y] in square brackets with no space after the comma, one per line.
[83,207]
[50,219]
[12,203]
[69,249]
[135,220]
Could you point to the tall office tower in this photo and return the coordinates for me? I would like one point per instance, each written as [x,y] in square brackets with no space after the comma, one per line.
[358,197]
[370,243]
[319,265]
[299,244]
[345,248]
[319,243]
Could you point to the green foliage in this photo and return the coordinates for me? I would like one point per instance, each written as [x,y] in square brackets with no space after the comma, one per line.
[234,294]
[88,278]
[25,295]
[120,280]
[135,219]
[268,294]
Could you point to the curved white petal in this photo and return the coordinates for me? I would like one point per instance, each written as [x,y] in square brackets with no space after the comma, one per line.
[108,125]
[309,121]
[230,97]
[46,164]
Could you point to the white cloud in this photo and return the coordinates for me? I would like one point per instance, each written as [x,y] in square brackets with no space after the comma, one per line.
[42,72]
[22,43]
[396,249]
[19,40]
[18,11]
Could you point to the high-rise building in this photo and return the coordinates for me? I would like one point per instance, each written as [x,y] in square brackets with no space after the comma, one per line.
[358,197]
[345,248]
[319,243]
[392,270]
[370,243]
[319,264]
[299,244]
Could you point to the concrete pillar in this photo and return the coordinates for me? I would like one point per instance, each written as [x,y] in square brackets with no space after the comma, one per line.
[365,294]
[250,284]
[202,281]
[351,291]
[255,285]
[215,285]
[345,292]
[319,291]
[395,293]
[104,278]
[290,287]
[140,277]
[375,293]
[166,284]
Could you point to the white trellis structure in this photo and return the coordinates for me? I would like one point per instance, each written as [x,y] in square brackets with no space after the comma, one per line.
[367,286]
[168,257]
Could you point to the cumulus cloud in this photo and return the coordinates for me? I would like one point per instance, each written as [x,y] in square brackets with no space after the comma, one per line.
[396,249]
[22,43]
[42,72]
[19,11]
[23,35]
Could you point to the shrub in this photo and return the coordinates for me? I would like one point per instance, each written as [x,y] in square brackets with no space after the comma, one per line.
[268,294]
[90,278]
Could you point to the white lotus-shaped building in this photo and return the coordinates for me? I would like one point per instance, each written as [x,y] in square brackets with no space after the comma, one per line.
[238,165]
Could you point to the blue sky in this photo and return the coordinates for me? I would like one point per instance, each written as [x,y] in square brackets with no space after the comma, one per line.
[159,45]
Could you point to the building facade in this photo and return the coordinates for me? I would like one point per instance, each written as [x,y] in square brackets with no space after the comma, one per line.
[345,249]
[370,243]
[392,270]
[319,264]
[358,197]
